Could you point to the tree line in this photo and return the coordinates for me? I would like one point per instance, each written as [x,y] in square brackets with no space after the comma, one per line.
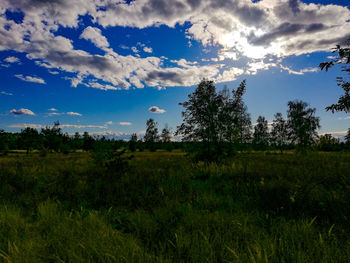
[215,125]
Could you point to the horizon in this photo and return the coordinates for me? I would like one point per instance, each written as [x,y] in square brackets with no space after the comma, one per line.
[107,68]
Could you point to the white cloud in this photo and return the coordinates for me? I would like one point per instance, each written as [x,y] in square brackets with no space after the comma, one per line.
[95,36]
[109,123]
[30,79]
[301,72]
[53,72]
[134,49]
[155,109]
[74,113]
[52,109]
[12,60]
[344,118]
[74,126]
[148,49]
[22,111]
[337,134]
[25,125]
[81,126]
[6,93]
[125,123]
[238,28]
[55,113]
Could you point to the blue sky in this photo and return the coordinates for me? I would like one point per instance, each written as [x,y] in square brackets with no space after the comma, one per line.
[107,66]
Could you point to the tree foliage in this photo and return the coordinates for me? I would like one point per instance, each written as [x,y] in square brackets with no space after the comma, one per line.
[151,135]
[214,119]
[279,132]
[302,123]
[343,58]
[261,133]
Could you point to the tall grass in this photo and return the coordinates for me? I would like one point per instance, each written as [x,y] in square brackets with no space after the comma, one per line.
[161,207]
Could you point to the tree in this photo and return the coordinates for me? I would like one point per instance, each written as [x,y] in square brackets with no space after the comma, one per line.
[235,120]
[88,142]
[261,133]
[151,135]
[133,142]
[29,138]
[347,137]
[343,57]
[200,118]
[302,123]
[3,142]
[279,132]
[328,143]
[53,137]
[214,119]
[166,134]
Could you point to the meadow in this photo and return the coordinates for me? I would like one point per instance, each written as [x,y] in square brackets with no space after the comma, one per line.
[162,207]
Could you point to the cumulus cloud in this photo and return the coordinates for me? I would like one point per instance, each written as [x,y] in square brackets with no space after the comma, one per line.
[12,60]
[238,28]
[109,123]
[148,49]
[125,123]
[155,109]
[52,109]
[6,93]
[74,113]
[95,36]
[30,79]
[22,111]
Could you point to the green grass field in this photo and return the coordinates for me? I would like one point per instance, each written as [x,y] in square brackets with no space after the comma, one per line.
[162,207]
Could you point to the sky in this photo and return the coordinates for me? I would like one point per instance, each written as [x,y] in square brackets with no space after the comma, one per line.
[106,66]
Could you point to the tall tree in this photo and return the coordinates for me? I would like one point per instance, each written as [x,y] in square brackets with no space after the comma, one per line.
[29,138]
[3,142]
[151,135]
[343,58]
[166,134]
[53,137]
[347,137]
[234,119]
[133,142]
[200,118]
[279,132]
[302,123]
[261,133]
[214,119]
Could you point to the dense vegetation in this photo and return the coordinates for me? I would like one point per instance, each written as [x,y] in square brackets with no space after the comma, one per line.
[162,207]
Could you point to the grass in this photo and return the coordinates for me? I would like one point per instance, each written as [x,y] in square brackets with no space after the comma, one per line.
[161,207]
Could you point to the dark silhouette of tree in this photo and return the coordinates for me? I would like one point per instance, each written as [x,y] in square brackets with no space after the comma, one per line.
[88,142]
[4,147]
[328,143]
[261,134]
[53,137]
[302,123]
[29,139]
[166,134]
[347,137]
[200,118]
[279,132]
[133,142]
[77,141]
[343,57]
[166,138]
[214,119]
[235,122]
[151,135]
